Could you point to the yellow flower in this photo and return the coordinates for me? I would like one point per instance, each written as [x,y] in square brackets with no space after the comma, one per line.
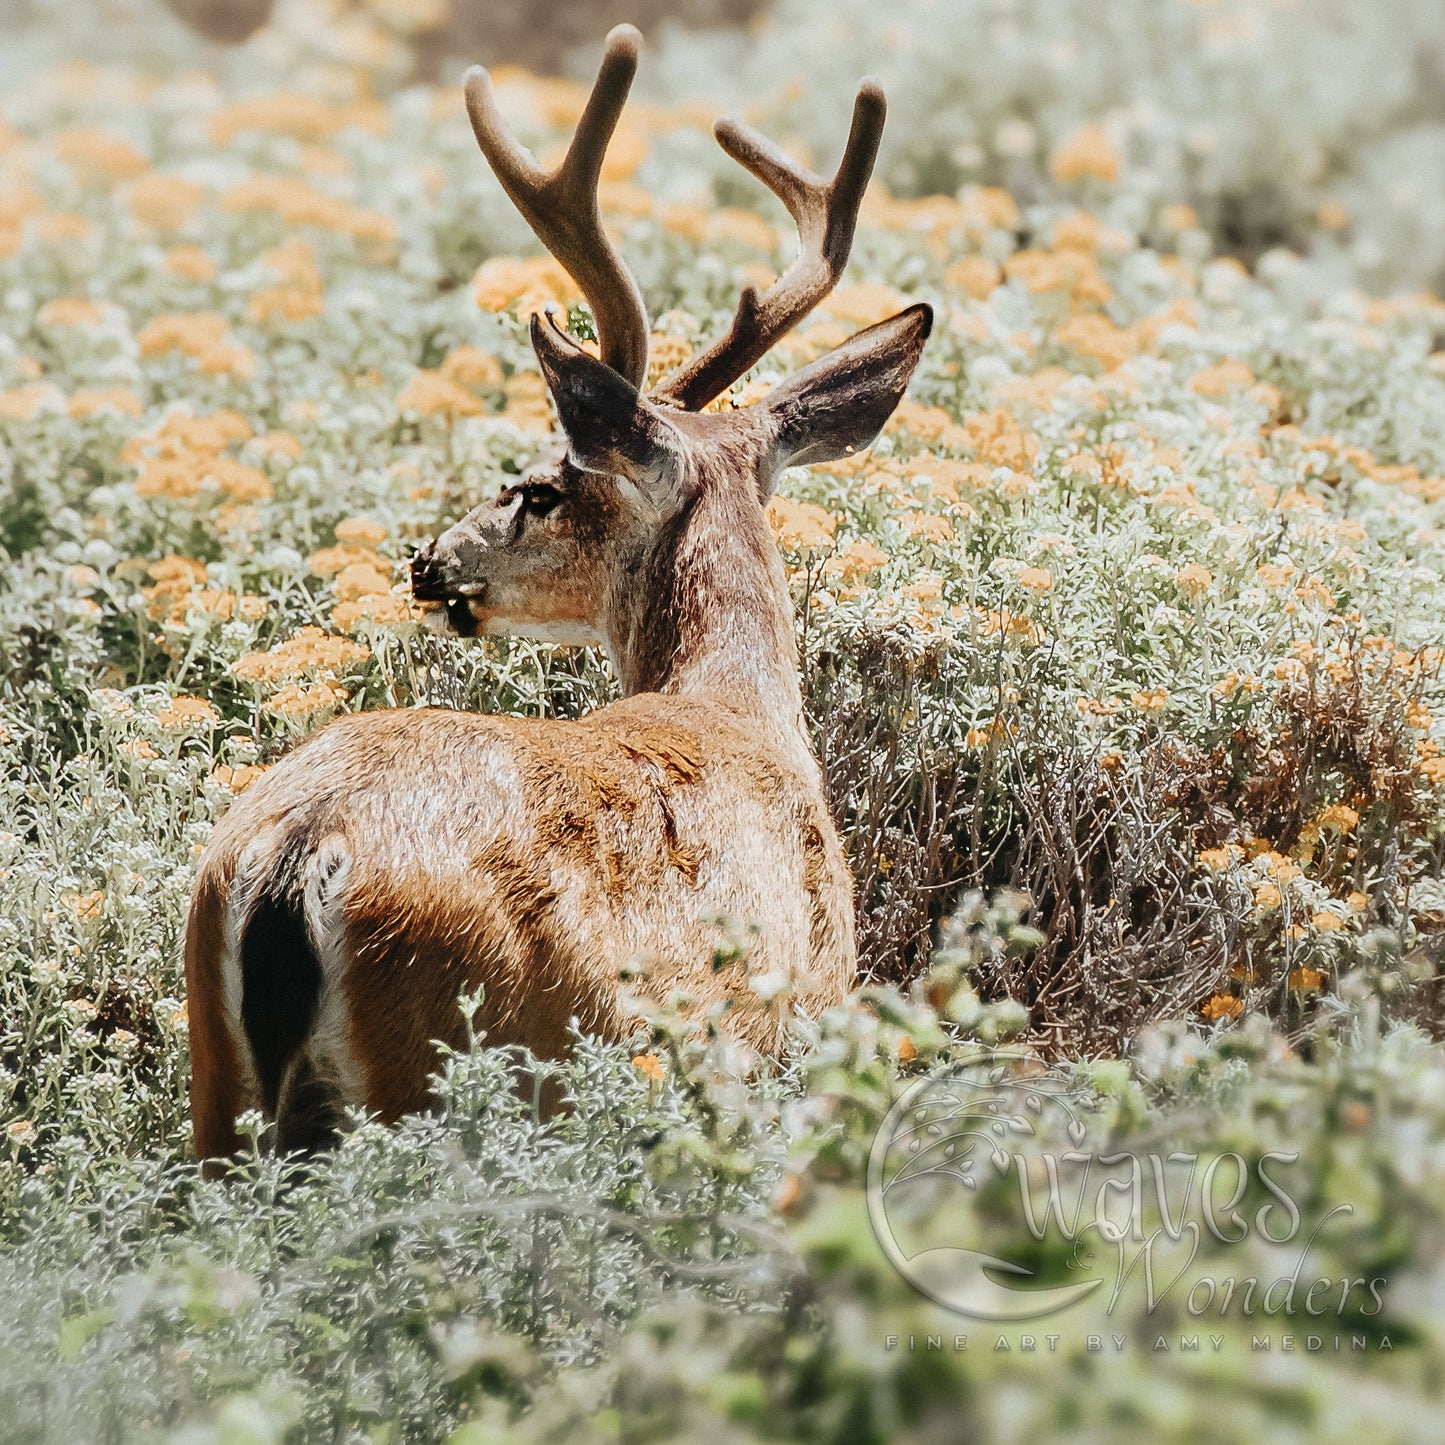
[83,905]
[1222,378]
[87,402]
[864,304]
[1036,579]
[471,367]
[186,712]
[976,275]
[360,532]
[987,208]
[800,526]
[1223,1006]
[299,204]
[24,403]
[1306,980]
[504,282]
[309,650]
[299,290]
[1275,575]
[928,526]
[361,579]
[70,311]
[1179,217]
[1097,337]
[98,155]
[301,116]
[165,203]
[279,444]
[1339,817]
[190,263]
[383,608]
[1151,699]
[729,223]
[61,226]
[1193,580]
[665,353]
[998,439]
[1218,859]
[927,588]
[1078,231]
[238,779]
[649,1066]
[1087,154]
[334,559]
[855,561]
[187,475]
[193,332]
[111,703]
[528,406]
[982,737]
[1276,865]
[293,700]
[432,394]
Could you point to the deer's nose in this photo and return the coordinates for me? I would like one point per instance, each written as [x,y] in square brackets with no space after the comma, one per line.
[426,575]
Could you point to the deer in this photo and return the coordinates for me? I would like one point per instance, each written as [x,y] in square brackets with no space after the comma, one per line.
[397,859]
[517,31]
[223,22]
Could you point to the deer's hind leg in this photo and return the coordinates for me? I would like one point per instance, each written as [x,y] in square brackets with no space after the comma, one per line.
[217,1085]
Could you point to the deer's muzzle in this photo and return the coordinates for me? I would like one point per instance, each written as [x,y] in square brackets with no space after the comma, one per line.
[430,583]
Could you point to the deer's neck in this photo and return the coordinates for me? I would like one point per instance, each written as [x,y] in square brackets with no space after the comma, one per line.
[706,613]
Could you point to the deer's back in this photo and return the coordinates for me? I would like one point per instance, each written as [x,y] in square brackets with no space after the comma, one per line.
[432,851]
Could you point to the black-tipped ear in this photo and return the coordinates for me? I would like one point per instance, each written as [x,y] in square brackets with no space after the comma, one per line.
[610,426]
[838,404]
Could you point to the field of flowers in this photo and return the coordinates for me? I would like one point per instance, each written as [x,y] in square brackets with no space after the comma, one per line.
[1124,648]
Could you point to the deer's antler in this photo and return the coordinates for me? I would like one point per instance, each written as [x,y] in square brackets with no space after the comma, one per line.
[826,213]
[561,205]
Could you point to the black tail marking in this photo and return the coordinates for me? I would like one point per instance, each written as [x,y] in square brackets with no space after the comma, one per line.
[280,989]
[309,1117]
[280,993]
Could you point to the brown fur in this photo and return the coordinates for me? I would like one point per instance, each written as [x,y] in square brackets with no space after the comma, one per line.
[569,851]
[216,1097]
[404,857]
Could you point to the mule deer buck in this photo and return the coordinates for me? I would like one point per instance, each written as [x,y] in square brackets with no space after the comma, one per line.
[398,858]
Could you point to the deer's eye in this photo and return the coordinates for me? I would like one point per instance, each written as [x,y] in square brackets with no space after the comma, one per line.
[538,498]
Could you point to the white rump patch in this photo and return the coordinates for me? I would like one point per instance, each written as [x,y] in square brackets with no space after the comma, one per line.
[251,869]
[327,872]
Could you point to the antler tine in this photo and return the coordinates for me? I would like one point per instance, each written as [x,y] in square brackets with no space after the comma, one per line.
[561,205]
[826,213]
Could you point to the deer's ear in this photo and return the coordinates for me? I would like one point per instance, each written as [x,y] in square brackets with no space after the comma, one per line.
[838,405]
[610,426]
